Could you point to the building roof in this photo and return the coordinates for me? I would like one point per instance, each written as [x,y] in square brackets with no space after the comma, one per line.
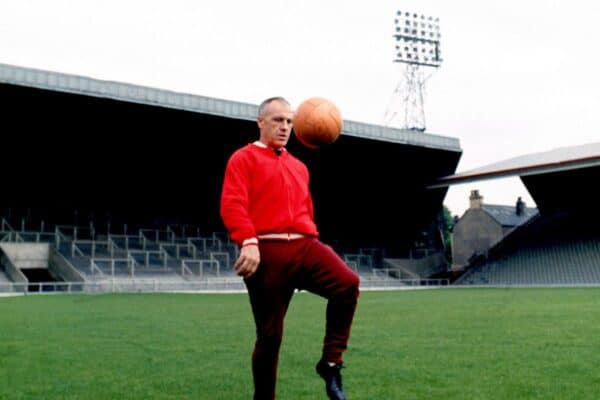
[56,81]
[507,216]
[561,159]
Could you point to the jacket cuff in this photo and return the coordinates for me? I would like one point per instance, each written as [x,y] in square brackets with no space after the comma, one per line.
[250,241]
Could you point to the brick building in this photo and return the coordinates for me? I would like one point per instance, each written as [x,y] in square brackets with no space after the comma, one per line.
[484,225]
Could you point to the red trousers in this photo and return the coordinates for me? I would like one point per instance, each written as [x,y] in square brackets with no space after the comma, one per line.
[305,264]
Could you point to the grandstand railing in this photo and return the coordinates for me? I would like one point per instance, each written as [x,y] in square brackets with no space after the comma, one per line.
[112,263]
[11,236]
[190,265]
[145,253]
[178,255]
[208,285]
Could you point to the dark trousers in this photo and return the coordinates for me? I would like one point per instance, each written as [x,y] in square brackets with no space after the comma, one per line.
[306,264]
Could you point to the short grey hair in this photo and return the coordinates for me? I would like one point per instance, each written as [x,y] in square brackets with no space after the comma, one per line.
[264,104]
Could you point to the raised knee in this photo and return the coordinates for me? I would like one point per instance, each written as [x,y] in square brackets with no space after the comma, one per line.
[350,289]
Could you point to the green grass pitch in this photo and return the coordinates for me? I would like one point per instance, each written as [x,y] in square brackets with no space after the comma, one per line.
[422,344]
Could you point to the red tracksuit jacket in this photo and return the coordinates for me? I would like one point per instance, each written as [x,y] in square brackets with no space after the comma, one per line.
[266,193]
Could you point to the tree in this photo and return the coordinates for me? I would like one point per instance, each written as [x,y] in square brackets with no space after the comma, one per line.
[446,226]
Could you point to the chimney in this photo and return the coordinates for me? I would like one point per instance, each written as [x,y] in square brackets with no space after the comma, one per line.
[520,207]
[476,199]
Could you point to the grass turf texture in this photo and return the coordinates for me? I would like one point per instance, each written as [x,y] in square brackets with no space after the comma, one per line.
[428,344]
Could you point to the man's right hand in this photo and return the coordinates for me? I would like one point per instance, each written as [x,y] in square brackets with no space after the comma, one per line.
[248,261]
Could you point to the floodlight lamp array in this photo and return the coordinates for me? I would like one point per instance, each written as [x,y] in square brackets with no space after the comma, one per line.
[417,39]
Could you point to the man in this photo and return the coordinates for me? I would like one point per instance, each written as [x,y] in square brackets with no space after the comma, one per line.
[268,210]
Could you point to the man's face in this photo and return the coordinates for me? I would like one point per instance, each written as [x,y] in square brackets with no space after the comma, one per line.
[275,124]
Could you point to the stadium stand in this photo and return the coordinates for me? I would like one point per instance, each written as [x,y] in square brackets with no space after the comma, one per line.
[556,249]
[145,200]
[560,245]
[149,256]
[125,262]
[420,266]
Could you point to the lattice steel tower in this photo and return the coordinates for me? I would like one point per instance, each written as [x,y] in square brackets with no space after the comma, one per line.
[418,54]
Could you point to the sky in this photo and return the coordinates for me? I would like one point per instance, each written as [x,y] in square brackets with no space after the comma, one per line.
[517,77]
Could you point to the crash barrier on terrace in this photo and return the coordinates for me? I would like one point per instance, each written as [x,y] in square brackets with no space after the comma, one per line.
[160,285]
[173,258]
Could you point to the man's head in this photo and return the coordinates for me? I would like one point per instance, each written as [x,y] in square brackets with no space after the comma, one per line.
[275,118]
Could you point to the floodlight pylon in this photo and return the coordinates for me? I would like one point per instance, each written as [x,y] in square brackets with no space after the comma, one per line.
[417,40]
